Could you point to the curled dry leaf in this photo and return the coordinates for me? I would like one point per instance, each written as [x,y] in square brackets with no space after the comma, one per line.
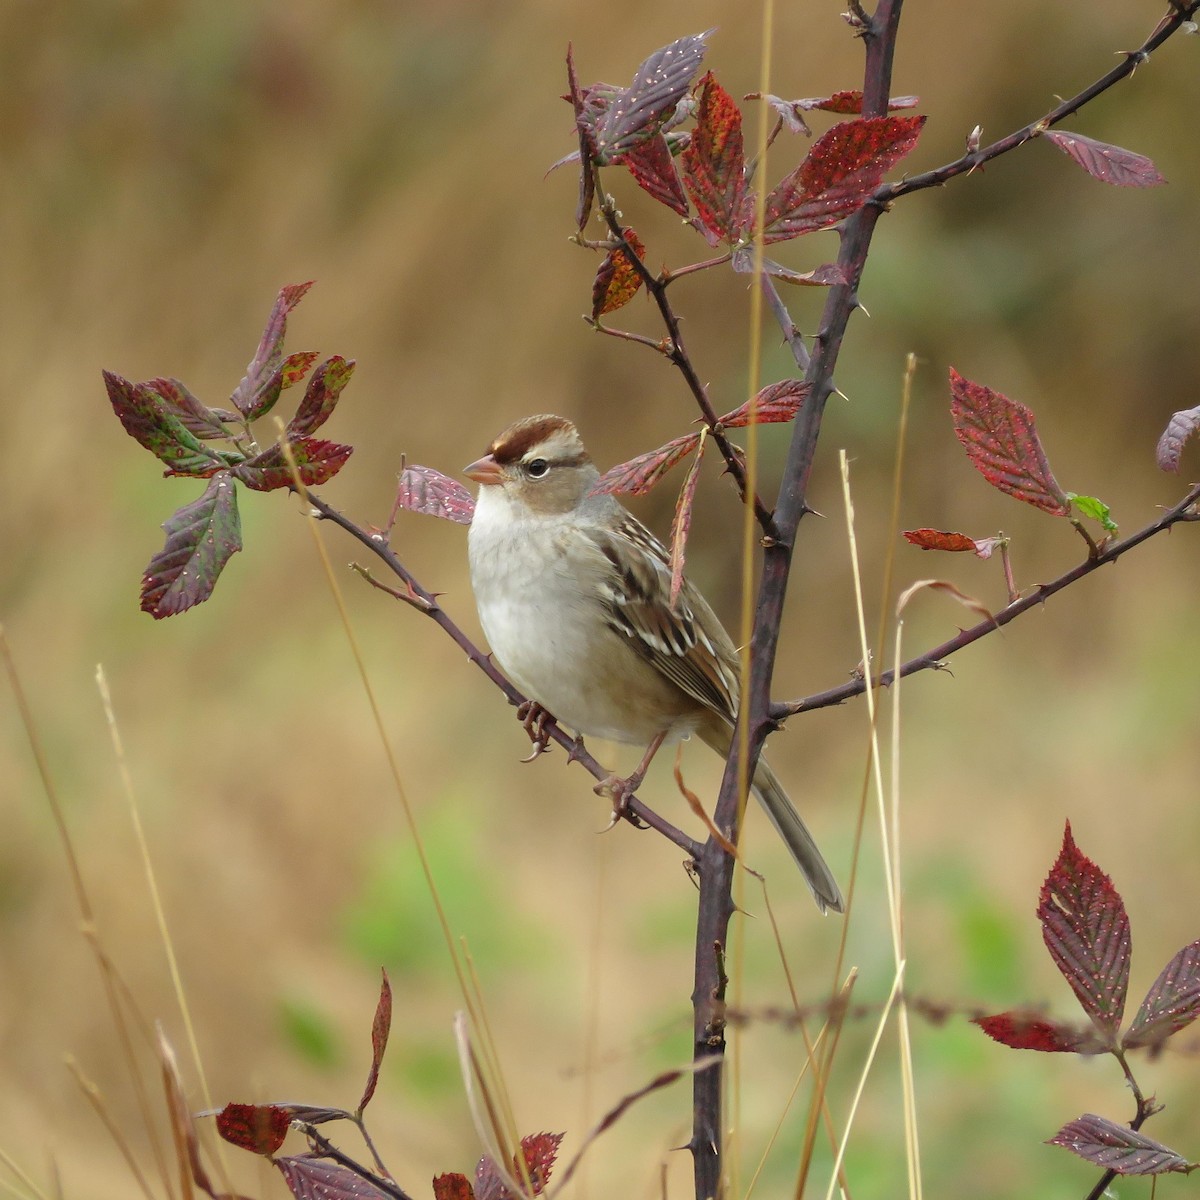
[942,585]
[939,539]
[1180,427]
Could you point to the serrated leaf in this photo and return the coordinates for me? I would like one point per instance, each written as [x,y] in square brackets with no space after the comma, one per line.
[380,1027]
[682,522]
[452,1186]
[539,1151]
[259,1128]
[1000,438]
[1117,1147]
[316,463]
[827,275]
[321,396]
[714,166]
[201,538]
[637,476]
[260,374]
[1171,1004]
[839,175]
[637,112]
[1179,428]
[316,1179]
[424,490]
[151,423]
[617,281]
[195,416]
[939,539]
[1086,929]
[1089,506]
[652,166]
[1031,1031]
[775,404]
[848,103]
[1109,164]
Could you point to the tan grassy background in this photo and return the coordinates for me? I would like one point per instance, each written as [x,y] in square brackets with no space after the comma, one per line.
[166,167]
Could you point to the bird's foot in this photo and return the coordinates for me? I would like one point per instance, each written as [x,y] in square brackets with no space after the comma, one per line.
[534,719]
[619,792]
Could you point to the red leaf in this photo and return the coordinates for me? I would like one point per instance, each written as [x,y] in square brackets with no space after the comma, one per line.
[316,463]
[637,476]
[320,397]
[201,538]
[848,103]
[424,490]
[682,522]
[776,404]
[539,1151]
[380,1027]
[452,1186]
[714,165]
[1171,1004]
[839,174]
[1117,1147]
[1086,929]
[652,165]
[315,1179]
[196,417]
[637,112]
[1000,438]
[1109,164]
[149,420]
[1029,1031]
[1179,428]
[259,1128]
[938,539]
[268,358]
[617,280]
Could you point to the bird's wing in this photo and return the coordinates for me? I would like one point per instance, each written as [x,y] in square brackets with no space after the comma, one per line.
[687,642]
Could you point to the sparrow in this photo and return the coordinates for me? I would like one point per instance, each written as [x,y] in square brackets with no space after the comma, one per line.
[573,594]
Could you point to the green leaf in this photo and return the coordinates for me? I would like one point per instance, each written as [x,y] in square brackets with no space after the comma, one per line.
[201,538]
[148,420]
[1089,506]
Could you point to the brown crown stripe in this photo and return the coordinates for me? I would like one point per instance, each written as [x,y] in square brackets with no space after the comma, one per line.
[517,440]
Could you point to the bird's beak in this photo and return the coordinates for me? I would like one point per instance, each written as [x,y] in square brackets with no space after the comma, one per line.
[485,470]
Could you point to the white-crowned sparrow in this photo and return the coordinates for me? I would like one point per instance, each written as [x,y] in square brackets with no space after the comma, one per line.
[574,597]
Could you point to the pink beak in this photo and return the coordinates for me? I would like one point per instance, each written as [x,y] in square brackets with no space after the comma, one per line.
[485,470]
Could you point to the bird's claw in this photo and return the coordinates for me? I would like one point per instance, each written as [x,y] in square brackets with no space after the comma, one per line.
[534,719]
[620,792]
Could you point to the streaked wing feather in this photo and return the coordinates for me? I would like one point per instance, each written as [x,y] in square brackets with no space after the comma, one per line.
[687,643]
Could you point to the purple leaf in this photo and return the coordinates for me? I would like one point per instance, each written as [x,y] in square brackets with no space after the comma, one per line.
[1109,164]
[1179,428]
[585,128]
[1171,1004]
[201,538]
[539,1151]
[424,490]
[321,396]
[775,404]
[1117,1147]
[637,476]
[149,421]
[652,165]
[196,417]
[268,358]
[1086,929]
[316,1179]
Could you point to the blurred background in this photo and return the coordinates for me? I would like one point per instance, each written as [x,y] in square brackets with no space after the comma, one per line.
[166,168]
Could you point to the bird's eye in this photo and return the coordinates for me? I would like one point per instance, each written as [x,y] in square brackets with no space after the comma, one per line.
[536,468]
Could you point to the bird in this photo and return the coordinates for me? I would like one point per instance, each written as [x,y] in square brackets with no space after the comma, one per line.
[574,597]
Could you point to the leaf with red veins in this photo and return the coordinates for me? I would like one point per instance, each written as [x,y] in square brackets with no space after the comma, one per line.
[201,538]
[316,462]
[940,539]
[380,1028]
[652,166]
[539,1151]
[637,476]
[827,275]
[839,175]
[682,523]
[1171,1004]
[1180,427]
[259,1128]
[1030,1031]
[317,1179]
[773,405]
[1001,440]
[637,112]
[150,421]
[1117,1148]
[321,396]
[617,281]
[714,165]
[195,416]
[1109,164]
[1086,929]
[268,358]
[452,1186]
[429,492]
